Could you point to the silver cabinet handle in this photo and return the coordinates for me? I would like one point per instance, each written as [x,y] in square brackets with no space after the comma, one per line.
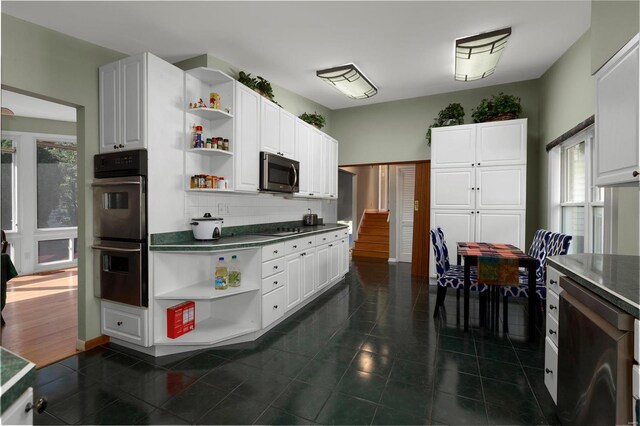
[126,182]
[125,250]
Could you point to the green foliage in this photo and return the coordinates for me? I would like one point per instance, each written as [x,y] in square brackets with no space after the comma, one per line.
[265,87]
[499,105]
[452,115]
[314,119]
[57,185]
[247,80]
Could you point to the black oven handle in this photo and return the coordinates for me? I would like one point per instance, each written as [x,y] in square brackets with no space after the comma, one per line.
[127,250]
[132,182]
[295,176]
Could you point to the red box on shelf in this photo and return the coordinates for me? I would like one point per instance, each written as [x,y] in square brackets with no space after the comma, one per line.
[181,319]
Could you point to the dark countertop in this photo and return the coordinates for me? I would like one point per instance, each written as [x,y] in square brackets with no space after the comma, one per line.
[615,278]
[16,376]
[235,238]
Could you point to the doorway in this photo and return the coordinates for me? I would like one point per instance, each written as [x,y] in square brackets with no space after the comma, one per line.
[405,190]
[39,216]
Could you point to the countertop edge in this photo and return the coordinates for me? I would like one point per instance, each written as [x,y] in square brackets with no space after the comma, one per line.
[616,299]
[17,384]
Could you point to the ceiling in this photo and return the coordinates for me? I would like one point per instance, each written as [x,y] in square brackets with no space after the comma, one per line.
[404,48]
[27,106]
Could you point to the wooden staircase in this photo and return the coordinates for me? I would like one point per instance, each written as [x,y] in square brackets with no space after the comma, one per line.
[373,238]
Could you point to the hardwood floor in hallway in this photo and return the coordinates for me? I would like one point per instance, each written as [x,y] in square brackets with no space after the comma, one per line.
[41,316]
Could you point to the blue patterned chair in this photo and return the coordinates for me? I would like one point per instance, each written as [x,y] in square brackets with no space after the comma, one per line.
[449,276]
[545,243]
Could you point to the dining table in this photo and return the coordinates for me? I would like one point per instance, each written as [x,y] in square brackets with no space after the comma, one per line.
[471,252]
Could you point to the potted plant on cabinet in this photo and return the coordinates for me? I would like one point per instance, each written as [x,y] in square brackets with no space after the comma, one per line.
[247,80]
[451,115]
[314,119]
[258,84]
[499,107]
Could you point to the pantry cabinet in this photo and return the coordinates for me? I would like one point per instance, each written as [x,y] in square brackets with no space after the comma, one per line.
[277,129]
[247,151]
[123,91]
[617,146]
[478,183]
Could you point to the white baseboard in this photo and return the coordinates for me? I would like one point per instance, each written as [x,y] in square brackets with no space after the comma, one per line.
[80,344]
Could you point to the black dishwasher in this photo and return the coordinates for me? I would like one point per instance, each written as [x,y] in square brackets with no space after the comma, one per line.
[595,357]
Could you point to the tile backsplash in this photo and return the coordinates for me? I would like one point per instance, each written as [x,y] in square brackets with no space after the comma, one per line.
[247,209]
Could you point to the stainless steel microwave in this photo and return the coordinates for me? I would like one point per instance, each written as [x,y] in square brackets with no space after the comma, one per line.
[279,174]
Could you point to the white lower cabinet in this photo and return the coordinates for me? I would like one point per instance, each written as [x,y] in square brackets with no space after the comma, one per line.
[335,260]
[17,414]
[552,328]
[309,275]
[273,306]
[294,273]
[125,322]
[322,252]
[551,368]
[344,247]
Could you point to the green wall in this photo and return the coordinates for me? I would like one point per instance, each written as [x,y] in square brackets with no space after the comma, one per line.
[38,125]
[290,101]
[50,65]
[613,24]
[567,97]
[395,131]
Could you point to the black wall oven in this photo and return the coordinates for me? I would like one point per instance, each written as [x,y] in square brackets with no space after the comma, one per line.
[120,227]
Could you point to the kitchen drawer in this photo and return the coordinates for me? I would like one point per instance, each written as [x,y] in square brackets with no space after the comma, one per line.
[553,280]
[272,267]
[552,329]
[325,238]
[273,306]
[299,244]
[551,368]
[272,251]
[16,413]
[273,282]
[125,322]
[553,305]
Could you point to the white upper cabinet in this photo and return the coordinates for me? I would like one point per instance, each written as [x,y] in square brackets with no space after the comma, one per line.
[331,167]
[500,226]
[453,188]
[318,164]
[122,90]
[303,155]
[247,124]
[617,143]
[501,142]
[501,187]
[287,134]
[459,149]
[269,126]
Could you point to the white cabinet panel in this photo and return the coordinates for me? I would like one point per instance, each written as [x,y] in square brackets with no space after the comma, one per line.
[617,122]
[344,244]
[453,188]
[133,101]
[303,155]
[323,262]
[331,167]
[318,164]
[453,146]
[287,134]
[309,276]
[125,322]
[501,187]
[457,225]
[246,151]
[16,413]
[500,227]
[551,368]
[273,306]
[109,106]
[269,126]
[502,142]
[335,254]
[274,281]
[294,275]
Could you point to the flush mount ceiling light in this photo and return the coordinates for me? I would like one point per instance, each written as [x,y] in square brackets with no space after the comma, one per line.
[349,80]
[477,56]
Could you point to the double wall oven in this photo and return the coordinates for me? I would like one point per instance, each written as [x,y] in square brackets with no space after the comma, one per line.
[120,227]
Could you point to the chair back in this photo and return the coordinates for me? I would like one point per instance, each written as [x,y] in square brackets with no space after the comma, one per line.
[5,243]
[538,250]
[558,244]
[440,251]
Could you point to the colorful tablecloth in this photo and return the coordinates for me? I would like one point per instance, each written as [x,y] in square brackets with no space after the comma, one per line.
[497,263]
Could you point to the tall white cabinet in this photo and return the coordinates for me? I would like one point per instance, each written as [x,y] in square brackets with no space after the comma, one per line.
[478,183]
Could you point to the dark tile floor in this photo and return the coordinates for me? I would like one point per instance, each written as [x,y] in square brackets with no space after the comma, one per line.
[367,352]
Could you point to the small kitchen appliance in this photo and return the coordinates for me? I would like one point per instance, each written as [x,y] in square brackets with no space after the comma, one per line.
[278,174]
[206,227]
[310,219]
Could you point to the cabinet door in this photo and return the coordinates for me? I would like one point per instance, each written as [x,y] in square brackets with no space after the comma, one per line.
[322,253]
[617,91]
[331,166]
[335,255]
[309,273]
[453,146]
[500,227]
[318,164]
[269,126]
[294,276]
[303,155]
[502,187]
[344,246]
[287,134]
[109,109]
[453,188]
[501,143]
[16,413]
[273,306]
[457,225]
[133,88]
[246,151]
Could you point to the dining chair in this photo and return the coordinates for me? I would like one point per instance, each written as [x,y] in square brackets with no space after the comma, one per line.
[545,243]
[5,243]
[449,276]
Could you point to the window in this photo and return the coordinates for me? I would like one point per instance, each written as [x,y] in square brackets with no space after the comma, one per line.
[57,187]
[8,171]
[581,205]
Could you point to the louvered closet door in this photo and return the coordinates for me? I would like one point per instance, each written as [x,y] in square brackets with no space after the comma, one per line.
[406,183]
